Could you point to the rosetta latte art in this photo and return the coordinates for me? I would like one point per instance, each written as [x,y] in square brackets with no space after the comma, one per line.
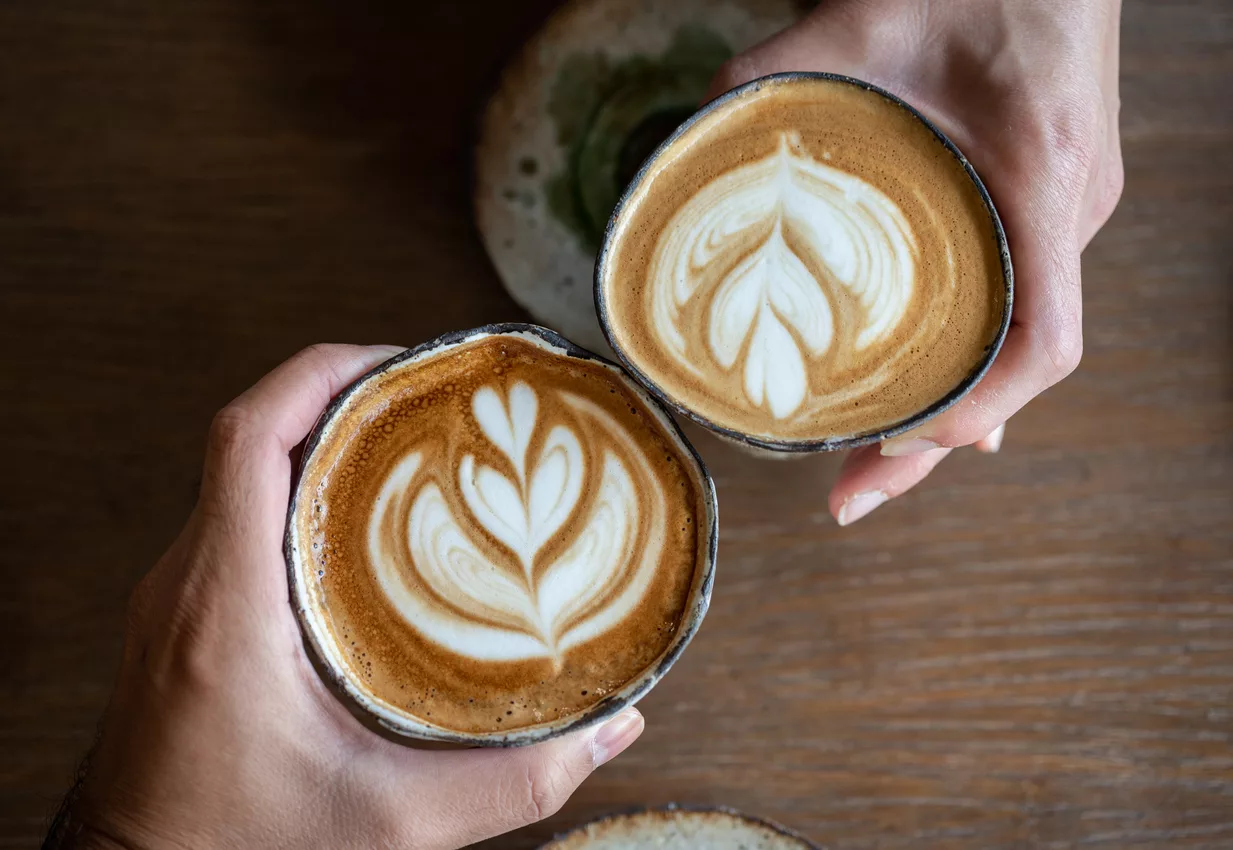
[766,248]
[534,558]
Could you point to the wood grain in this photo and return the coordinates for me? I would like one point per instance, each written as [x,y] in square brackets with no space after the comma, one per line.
[1033,650]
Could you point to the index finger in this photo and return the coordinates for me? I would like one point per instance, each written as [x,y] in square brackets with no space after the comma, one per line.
[247,468]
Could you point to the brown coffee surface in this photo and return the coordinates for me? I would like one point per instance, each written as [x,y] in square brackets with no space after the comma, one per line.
[806,262]
[366,515]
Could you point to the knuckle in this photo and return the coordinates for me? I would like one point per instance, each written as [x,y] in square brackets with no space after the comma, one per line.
[195,667]
[237,436]
[1074,134]
[1063,138]
[325,357]
[1109,191]
[184,655]
[1116,182]
[1067,146]
[136,621]
[543,792]
[231,428]
[1065,352]
[320,351]
[138,603]
[197,648]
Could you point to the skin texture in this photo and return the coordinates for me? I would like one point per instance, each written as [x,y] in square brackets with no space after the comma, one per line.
[1028,91]
[221,734]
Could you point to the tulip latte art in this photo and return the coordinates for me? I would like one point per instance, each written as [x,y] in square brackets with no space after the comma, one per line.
[523,599]
[503,535]
[807,261]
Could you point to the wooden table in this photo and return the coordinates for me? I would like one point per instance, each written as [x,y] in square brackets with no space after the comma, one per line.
[1033,650]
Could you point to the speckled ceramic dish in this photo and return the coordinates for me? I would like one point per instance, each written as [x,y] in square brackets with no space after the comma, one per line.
[570,121]
[676,828]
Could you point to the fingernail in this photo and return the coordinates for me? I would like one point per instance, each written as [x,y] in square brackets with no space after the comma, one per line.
[910,446]
[860,505]
[389,350]
[615,736]
[993,442]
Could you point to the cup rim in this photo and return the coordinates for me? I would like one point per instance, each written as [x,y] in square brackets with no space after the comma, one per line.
[317,635]
[825,444]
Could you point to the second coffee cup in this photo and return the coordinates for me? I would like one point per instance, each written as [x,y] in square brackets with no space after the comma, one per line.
[806,264]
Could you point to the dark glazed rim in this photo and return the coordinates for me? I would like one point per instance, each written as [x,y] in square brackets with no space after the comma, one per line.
[301,595]
[830,443]
[629,814]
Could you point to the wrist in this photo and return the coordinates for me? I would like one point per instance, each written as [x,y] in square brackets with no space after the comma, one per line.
[70,830]
[80,828]
[90,819]
[84,837]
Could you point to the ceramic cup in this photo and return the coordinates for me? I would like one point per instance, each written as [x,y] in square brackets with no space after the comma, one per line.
[308,596]
[765,446]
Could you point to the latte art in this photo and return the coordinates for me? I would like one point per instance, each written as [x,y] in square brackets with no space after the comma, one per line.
[805,263]
[522,599]
[767,309]
[498,535]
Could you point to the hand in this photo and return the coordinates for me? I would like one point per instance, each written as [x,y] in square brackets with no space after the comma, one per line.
[221,734]
[1028,91]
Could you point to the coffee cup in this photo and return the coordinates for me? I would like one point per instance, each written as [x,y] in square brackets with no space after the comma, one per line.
[497,537]
[807,264]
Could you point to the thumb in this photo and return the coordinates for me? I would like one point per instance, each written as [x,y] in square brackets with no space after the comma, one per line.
[466,796]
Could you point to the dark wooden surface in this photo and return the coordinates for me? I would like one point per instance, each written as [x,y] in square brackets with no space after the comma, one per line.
[1032,650]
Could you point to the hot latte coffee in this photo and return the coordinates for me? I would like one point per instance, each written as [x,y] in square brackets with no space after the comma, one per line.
[499,535]
[806,262]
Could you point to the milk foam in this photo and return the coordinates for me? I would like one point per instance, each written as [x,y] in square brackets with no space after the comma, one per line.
[766,310]
[513,602]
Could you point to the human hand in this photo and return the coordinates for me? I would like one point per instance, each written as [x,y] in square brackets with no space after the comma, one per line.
[221,734]
[1028,91]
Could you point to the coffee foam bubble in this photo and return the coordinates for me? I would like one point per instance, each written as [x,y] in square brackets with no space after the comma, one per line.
[805,262]
[503,536]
